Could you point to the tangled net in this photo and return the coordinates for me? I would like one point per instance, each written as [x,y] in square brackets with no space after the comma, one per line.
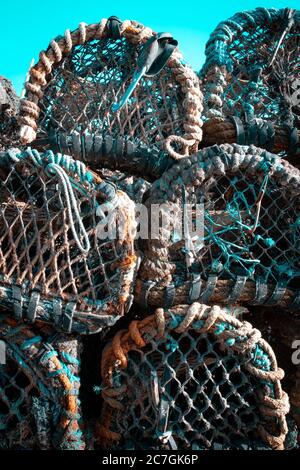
[194,378]
[251,74]
[229,231]
[39,405]
[80,77]
[55,265]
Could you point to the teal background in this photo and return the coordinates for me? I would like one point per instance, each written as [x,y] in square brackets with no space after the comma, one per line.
[28,26]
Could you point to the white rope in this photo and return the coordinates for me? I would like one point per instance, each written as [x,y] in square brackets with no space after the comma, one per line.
[55,166]
[72,207]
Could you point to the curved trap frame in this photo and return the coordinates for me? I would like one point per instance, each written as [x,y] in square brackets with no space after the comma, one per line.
[228,231]
[55,264]
[72,93]
[191,378]
[251,75]
[39,405]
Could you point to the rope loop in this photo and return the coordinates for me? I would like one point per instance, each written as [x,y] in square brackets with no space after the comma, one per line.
[185,143]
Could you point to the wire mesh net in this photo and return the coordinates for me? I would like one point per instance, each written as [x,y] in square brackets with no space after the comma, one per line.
[189,387]
[229,230]
[39,405]
[55,265]
[17,393]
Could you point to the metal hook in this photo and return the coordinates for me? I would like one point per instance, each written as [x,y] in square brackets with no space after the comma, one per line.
[152,58]
[289,14]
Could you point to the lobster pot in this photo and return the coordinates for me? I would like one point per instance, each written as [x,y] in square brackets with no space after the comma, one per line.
[251,80]
[191,377]
[224,228]
[39,405]
[78,96]
[60,260]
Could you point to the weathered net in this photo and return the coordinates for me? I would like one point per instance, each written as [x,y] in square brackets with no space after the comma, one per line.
[39,405]
[77,80]
[191,378]
[228,231]
[55,265]
[252,73]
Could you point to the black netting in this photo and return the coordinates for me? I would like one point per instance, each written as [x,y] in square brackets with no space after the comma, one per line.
[190,382]
[17,390]
[212,399]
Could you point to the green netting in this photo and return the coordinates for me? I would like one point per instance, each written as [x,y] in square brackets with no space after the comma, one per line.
[74,89]
[241,244]
[252,66]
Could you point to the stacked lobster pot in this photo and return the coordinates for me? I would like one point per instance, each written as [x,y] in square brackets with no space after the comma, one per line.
[250,81]
[114,96]
[117,222]
[244,252]
[192,377]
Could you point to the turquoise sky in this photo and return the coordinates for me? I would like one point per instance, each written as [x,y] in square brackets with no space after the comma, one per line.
[28,26]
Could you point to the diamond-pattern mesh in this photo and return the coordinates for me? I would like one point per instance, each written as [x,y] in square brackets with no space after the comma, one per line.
[250,219]
[39,385]
[86,83]
[212,398]
[257,55]
[191,377]
[231,246]
[271,96]
[38,249]
[17,427]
